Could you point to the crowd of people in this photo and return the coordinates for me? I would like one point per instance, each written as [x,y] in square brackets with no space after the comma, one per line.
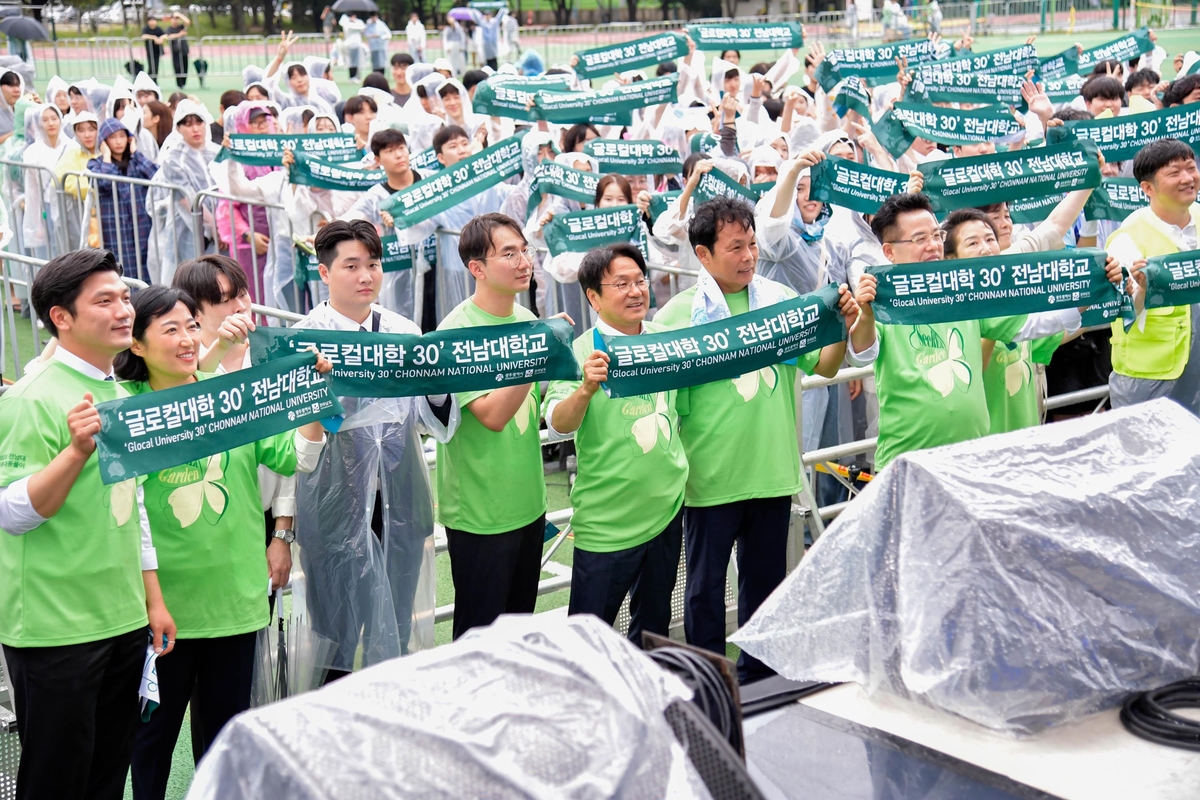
[691,473]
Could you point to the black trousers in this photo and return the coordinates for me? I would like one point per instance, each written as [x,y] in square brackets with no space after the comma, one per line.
[493,63]
[647,572]
[179,60]
[760,528]
[77,712]
[495,573]
[153,54]
[221,670]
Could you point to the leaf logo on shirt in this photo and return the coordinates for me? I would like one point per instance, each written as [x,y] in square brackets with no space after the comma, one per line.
[945,367]
[526,415]
[653,428]
[120,501]
[207,495]
[748,385]
[1018,372]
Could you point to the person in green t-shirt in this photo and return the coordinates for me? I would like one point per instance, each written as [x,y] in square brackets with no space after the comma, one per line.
[77,561]
[929,377]
[628,496]
[491,489]
[740,435]
[205,516]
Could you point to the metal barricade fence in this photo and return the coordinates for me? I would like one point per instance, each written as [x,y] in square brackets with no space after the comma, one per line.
[49,229]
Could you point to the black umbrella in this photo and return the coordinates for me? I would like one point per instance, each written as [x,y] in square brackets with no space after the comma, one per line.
[24,28]
[355,7]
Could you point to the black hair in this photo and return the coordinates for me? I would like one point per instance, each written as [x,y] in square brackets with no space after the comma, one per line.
[666,68]
[402,59]
[1156,155]
[148,305]
[340,230]
[1068,114]
[735,52]
[1104,88]
[620,180]
[59,282]
[446,88]
[71,90]
[120,103]
[1179,89]
[888,213]
[1143,77]
[447,134]
[374,80]
[556,71]
[476,238]
[11,78]
[387,139]
[956,219]
[773,107]
[715,214]
[306,117]
[733,73]
[691,161]
[198,278]
[357,104]
[296,69]
[232,97]
[1103,67]
[473,77]
[597,261]
[761,68]
[576,134]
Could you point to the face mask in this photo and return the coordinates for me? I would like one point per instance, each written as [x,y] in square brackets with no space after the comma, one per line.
[812,231]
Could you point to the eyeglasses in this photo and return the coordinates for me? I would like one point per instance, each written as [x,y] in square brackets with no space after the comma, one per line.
[513,259]
[922,239]
[624,287]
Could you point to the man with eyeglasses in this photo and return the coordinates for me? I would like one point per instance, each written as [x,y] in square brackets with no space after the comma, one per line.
[930,377]
[628,496]
[490,486]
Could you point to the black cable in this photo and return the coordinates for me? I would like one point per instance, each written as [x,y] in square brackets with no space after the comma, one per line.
[1148,716]
[710,693]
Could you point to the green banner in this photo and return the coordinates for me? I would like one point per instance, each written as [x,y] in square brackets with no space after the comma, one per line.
[149,432]
[397,257]
[736,36]
[1005,177]
[266,149]
[1033,209]
[450,361]
[637,54]
[1121,50]
[1115,199]
[563,181]
[309,171]
[930,292]
[723,350]
[580,231]
[613,106]
[904,122]
[659,201]
[842,182]
[704,142]
[1013,61]
[852,95]
[1194,69]
[508,96]
[634,157]
[716,183]
[1121,138]
[488,5]
[933,83]
[425,162]
[875,64]
[1063,90]
[1173,280]
[1059,66]
[447,188]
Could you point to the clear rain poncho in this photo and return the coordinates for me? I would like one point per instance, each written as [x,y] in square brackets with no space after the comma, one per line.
[367,593]
[1019,580]
[43,228]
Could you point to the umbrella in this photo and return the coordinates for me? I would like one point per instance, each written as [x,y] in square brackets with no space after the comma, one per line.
[10,11]
[354,7]
[24,28]
[461,14]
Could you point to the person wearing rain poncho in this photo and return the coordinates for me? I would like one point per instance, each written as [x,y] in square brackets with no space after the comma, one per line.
[82,148]
[456,104]
[453,281]
[400,289]
[364,517]
[122,105]
[58,94]
[183,162]
[301,89]
[124,220]
[42,228]
[536,147]
[210,571]
[12,87]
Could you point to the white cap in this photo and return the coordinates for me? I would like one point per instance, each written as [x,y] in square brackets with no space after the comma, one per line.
[443,64]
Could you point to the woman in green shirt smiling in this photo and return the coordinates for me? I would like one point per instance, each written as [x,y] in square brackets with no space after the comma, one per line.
[206,517]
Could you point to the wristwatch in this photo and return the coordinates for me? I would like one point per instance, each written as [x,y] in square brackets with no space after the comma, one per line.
[287,534]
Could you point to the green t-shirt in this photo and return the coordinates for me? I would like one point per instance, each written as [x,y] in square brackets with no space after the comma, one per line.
[491,481]
[77,577]
[721,423]
[632,470]
[1008,382]
[930,383]
[206,518]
